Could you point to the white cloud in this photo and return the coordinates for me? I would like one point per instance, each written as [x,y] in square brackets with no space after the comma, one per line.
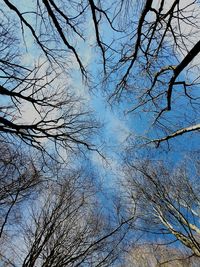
[188,25]
[119,129]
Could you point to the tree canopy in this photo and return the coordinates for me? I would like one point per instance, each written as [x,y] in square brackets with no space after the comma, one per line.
[65,67]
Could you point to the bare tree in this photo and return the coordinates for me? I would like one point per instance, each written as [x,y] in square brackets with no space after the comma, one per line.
[151,255]
[19,179]
[67,226]
[37,103]
[158,66]
[167,201]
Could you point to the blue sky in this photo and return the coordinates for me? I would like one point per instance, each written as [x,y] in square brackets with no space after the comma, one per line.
[119,128]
